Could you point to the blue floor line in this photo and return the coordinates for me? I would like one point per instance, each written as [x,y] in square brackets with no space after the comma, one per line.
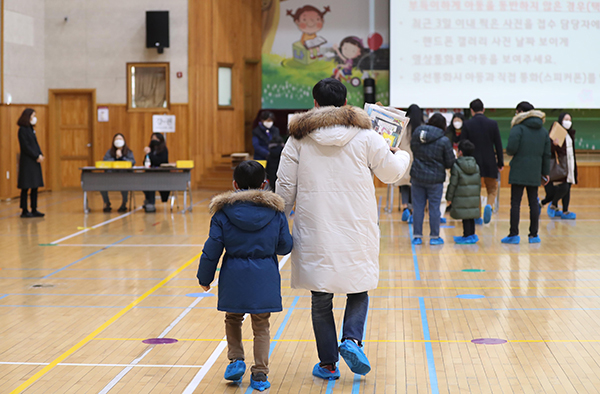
[357,377]
[428,349]
[3,296]
[278,334]
[414,253]
[83,258]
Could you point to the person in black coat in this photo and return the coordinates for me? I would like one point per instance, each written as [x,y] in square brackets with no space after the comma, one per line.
[30,168]
[275,148]
[485,135]
[158,154]
[263,134]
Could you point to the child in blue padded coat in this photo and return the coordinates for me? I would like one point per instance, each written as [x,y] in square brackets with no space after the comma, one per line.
[250,225]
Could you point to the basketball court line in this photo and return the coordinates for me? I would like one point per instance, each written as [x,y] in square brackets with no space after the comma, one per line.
[95,227]
[23,386]
[103,365]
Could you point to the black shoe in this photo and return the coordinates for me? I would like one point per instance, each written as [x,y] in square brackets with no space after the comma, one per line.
[122,208]
[107,208]
[37,214]
[26,214]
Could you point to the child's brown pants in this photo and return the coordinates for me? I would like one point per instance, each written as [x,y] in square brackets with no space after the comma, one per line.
[262,339]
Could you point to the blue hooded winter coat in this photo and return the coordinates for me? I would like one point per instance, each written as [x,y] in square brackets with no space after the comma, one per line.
[252,228]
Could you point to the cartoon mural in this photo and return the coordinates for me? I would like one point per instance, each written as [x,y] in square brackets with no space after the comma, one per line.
[292,64]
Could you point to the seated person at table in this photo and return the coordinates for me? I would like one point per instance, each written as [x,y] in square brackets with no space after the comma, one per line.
[158,154]
[118,152]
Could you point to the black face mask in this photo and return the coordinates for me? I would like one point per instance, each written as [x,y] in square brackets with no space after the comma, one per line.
[154,144]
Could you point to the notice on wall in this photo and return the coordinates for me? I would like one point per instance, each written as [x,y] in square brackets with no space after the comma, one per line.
[163,123]
[103,114]
[446,53]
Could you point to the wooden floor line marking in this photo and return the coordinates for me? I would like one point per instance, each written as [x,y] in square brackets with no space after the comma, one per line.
[98,330]
[95,227]
[102,365]
[373,340]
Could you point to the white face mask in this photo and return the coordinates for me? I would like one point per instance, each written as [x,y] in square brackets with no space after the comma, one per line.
[33,121]
[457,124]
[567,124]
[268,125]
[119,143]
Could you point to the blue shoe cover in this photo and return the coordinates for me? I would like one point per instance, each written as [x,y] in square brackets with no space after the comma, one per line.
[515,240]
[479,221]
[534,240]
[443,220]
[405,215]
[552,213]
[569,215]
[471,239]
[258,385]
[410,219]
[354,356]
[436,241]
[235,370]
[487,214]
[326,374]
[417,241]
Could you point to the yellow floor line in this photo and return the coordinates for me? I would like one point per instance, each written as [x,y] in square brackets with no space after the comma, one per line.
[98,330]
[484,288]
[370,340]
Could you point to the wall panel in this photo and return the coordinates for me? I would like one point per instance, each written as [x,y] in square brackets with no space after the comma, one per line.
[221,32]
[9,143]
[137,129]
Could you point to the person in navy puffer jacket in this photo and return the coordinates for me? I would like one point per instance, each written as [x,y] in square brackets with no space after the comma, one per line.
[250,225]
[432,152]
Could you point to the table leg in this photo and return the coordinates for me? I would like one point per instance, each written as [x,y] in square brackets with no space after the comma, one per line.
[85,203]
[191,202]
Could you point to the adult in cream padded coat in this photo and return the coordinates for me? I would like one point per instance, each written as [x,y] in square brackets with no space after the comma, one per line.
[327,169]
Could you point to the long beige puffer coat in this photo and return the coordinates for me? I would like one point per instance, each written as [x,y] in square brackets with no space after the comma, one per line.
[327,169]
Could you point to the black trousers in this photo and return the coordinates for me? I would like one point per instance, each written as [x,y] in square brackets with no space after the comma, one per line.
[555,193]
[151,197]
[516,195]
[468,227]
[34,197]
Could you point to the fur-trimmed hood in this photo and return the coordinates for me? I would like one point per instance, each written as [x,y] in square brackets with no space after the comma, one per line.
[534,113]
[249,210]
[258,197]
[347,116]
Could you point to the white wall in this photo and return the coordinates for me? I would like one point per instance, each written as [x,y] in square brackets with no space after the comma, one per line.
[24,60]
[91,49]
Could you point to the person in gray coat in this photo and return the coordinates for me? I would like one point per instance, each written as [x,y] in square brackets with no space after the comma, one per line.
[118,152]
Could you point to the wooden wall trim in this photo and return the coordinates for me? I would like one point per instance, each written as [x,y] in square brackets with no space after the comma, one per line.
[1,51]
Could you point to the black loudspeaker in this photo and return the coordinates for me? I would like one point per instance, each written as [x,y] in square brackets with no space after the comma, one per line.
[369,84]
[157,30]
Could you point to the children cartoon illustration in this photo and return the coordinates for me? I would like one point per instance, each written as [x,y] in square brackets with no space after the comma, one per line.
[349,52]
[309,20]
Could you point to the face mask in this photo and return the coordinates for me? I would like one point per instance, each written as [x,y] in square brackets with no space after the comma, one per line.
[567,124]
[268,125]
[154,144]
[33,121]
[119,143]
[457,125]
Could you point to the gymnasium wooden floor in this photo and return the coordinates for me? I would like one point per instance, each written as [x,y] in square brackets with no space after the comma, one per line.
[79,294]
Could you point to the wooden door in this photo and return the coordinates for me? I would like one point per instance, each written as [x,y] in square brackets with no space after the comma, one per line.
[72,122]
[252,99]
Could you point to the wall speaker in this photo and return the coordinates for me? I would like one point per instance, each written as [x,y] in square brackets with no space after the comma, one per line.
[157,30]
